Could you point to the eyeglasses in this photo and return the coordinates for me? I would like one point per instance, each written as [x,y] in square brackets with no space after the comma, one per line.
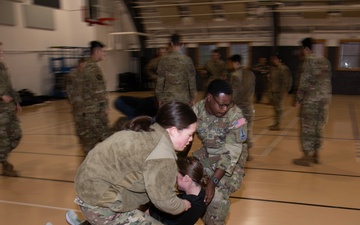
[221,106]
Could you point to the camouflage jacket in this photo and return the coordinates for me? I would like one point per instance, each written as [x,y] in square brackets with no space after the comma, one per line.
[7,89]
[280,79]
[222,137]
[243,84]
[176,78]
[216,69]
[94,93]
[315,81]
[129,169]
[151,68]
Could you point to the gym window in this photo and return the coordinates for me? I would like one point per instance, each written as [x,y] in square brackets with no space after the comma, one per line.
[349,55]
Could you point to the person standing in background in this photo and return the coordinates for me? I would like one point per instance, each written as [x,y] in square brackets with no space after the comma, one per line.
[314,95]
[74,94]
[261,71]
[95,102]
[243,84]
[176,79]
[152,66]
[10,130]
[215,68]
[280,83]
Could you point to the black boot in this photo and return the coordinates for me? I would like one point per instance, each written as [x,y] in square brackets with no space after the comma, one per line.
[306,160]
[8,169]
[316,158]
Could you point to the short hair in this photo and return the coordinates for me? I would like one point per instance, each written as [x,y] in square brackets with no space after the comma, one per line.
[219,86]
[175,39]
[81,60]
[175,114]
[216,50]
[94,45]
[236,58]
[278,56]
[307,43]
[192,167]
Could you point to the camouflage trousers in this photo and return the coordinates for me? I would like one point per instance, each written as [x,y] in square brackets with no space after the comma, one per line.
[278,106]
[95,128]
[248,113]
[78,122]
[219,207]
[313,119]
[10,133]
[100,216]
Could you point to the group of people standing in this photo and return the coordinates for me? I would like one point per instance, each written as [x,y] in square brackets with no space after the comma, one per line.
[222,121]
[127,168]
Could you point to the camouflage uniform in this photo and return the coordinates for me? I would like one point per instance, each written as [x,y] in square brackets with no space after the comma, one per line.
[314,93]
[243,84]
[121,174]
[224,147]
[10,130]
[261,72]
[95,106]
[74,94]
[280,79]
[216,70]
[151,68]
[176,79]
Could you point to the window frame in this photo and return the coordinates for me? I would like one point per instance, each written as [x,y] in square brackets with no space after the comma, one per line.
[339,56]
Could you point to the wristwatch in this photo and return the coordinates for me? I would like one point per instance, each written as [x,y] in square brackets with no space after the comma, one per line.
[215,180]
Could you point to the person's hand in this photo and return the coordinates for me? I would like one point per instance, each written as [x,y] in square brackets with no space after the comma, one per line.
[296,104]
[18,108]
[192,103]
[209,192]
[187,204]
[7,98]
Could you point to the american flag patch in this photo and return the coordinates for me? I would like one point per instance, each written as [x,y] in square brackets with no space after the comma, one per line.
[238,123]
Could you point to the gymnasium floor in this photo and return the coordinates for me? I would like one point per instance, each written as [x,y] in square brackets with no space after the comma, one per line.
[275,192]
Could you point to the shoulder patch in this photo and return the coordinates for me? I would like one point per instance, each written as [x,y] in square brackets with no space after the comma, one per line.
[238,123]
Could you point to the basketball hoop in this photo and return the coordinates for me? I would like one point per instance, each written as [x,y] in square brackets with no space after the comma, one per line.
[93,15]
[100,21]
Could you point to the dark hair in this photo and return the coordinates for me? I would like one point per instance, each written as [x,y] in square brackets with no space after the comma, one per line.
[175,39]
[307,43]
[175,114]
[278,56]
[216,50]
[192,167]
[94,45]
[236,58]
[140,123]
[81,60]
[219,86]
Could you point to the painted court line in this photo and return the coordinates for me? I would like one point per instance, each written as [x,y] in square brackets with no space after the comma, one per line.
[37,205]
[280,137]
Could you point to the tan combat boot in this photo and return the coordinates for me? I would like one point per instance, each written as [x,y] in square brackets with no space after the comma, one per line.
[8,170]
[316,158]
[306,160]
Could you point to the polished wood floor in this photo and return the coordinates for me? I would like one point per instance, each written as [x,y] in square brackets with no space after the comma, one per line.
[275,192]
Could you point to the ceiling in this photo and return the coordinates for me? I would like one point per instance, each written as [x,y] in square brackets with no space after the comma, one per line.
[241,20]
